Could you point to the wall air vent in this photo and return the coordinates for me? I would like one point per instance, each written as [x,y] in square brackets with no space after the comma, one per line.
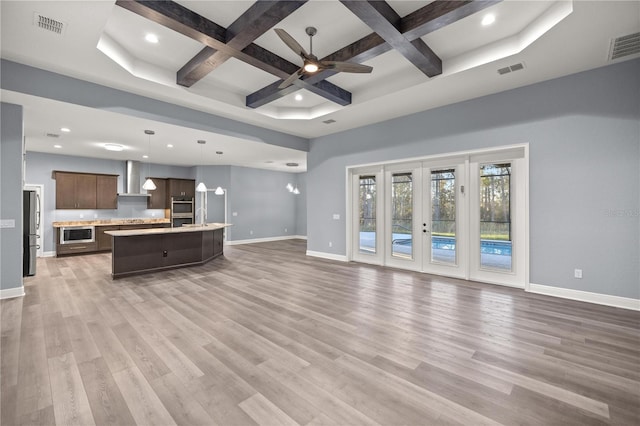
[49,24]
[624,46]
[515,67]
[52,135]
[330,121]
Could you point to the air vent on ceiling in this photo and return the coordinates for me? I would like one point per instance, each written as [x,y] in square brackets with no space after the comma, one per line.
[624,46]
[292,164]
[515,67]
[52,135]
[49,24]
[330,121]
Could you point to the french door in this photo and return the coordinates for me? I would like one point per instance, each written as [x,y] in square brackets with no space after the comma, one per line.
[424,206]
[462,216]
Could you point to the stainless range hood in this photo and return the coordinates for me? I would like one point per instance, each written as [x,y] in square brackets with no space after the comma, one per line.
[132,182]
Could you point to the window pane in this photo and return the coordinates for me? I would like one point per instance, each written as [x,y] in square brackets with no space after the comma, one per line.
[402,215]
[367,203]
[495,216]
[443,216]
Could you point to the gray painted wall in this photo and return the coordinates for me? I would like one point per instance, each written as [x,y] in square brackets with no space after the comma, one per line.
[11,188]
[34,81]
[301,205]
[584,136]
[263,205]
[39,168]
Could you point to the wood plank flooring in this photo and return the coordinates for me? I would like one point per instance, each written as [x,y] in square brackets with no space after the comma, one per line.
[268,336]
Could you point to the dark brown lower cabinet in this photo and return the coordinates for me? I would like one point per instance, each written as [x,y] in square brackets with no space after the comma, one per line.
[154,252]
[104,240]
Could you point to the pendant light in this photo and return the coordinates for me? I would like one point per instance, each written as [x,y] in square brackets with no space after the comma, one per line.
[148,184]
[201,186]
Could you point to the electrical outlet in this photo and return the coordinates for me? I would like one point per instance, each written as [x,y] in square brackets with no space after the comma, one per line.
[250,232]
[95,215]
[153,214]
[577,273]
[81,216]
[330,244]
[336,216]
[234,214]
[285,229]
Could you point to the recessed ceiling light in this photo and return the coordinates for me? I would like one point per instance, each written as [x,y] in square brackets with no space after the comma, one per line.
[113,147]
[65,129]
[169,145]
[57,146]
[298,97]
[488,19]
[151,38]
[145,156]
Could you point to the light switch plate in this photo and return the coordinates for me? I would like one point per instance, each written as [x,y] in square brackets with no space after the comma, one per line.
[7,223]
[336,216]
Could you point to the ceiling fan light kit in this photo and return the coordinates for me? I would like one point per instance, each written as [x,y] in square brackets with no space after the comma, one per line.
[310,63]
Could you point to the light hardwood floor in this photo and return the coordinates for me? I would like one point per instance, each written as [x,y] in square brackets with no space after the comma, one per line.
[269,336]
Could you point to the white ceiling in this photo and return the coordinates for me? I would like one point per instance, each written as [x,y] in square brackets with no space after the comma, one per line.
[551,38]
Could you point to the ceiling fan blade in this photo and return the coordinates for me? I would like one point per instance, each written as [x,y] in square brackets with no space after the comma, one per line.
[289,81]
[291,42]
[346,67]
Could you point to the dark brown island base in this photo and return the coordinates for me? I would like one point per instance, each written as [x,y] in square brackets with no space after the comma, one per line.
[149,250]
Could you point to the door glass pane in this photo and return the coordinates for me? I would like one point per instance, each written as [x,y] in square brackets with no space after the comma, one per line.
[495,216]
[443,216]
[402,215]
[367,202]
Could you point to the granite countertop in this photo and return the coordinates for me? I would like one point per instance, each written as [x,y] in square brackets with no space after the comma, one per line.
[108,222]
[153,231]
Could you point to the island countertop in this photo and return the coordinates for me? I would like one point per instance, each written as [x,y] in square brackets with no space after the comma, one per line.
[179,230]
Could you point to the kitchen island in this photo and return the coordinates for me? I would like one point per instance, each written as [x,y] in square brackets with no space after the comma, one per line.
[140,251]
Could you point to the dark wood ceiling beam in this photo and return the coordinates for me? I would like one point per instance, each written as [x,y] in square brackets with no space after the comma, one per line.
[323,88]
[439,14]
[186,22]
[253,23]
[382,19]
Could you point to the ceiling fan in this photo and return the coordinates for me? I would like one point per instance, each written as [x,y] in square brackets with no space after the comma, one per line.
[311,64]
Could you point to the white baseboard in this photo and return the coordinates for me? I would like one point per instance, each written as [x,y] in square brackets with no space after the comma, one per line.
[585,296]
[265,240]
[329,256]
[48,254]
[12,292]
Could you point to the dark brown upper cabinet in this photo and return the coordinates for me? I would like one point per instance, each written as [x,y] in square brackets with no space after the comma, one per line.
[85,190]
[106,192]
[158,198]
[181,189]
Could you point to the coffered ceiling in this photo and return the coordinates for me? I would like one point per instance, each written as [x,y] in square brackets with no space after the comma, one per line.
[424,55]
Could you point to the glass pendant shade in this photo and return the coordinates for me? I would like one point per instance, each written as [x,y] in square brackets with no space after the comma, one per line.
[219,191]
[149,185]
[201,187]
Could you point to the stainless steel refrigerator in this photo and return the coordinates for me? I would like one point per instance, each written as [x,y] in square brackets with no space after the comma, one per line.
[30,231]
